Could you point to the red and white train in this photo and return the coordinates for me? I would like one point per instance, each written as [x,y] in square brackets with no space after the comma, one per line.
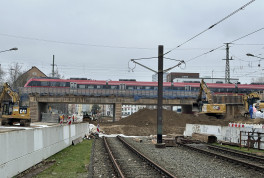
[84,83]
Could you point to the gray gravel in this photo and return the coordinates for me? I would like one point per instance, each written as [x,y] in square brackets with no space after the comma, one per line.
[187,163]
[101,164]
[131,165]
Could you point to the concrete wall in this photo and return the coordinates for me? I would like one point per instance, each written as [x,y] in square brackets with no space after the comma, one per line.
[223,133]
[50,118]
[22,149]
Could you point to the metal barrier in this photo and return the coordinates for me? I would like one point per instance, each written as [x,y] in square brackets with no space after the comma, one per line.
[251,139]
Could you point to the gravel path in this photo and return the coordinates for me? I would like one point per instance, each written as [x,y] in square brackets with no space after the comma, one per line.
[187,163]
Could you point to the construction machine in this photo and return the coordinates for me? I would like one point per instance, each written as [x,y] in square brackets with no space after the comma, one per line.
[11,110]
[253,99]
[207,106]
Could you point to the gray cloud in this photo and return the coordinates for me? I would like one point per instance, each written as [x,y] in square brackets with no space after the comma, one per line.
[93,31]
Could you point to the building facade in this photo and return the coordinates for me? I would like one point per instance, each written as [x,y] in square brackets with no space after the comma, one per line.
[175,75]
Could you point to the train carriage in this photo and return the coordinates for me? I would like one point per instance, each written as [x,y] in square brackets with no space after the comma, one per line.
[139,85]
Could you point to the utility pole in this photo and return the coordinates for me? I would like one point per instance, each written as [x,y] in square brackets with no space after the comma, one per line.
[160,91]
[53,66]
[227,69]
[160,97]
[212,76]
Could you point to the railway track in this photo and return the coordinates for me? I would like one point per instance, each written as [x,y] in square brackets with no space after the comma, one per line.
[237,157]
[128,162]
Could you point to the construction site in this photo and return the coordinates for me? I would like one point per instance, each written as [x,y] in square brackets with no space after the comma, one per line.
[38,139]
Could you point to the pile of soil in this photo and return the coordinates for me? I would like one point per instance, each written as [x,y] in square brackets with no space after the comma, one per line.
[144,122]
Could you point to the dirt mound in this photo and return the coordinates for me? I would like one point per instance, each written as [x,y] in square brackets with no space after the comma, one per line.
[144,122]
[147,117]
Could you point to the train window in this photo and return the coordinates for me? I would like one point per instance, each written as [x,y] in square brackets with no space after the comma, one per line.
[165,88]
[81,86]
[54,84]
[90,86]
[113,87]
[138,87]
[44,84]
[62,84]
[147,88]
[34,83]
[30,83]
[67,84]
[155,88]
[98,86]
[130,88]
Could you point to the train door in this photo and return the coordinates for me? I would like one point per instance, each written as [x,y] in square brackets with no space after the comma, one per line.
[122,86]
[122,89]
[188,88]
[73,87]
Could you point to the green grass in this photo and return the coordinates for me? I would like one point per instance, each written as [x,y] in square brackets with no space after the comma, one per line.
[70,162]
[251,150]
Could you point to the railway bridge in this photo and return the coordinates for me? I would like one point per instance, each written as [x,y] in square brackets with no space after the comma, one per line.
[40,97]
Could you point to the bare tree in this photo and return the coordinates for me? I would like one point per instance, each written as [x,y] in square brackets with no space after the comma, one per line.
[56,74]
[15,70]
[2,74]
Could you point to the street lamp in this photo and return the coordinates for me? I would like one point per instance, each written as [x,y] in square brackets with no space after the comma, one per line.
[252,55]
[12,49]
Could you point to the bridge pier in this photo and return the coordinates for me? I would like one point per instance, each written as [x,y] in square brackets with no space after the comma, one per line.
[187,109]
[117,111]
[233,110]
[36,109]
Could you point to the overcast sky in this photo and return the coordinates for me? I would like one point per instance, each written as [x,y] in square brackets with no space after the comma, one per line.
[97,39]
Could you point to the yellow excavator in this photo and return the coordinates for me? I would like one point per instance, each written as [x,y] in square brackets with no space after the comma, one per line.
[11,111]
[207,106]
[254,100]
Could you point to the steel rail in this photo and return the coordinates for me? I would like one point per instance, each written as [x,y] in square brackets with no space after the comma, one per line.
[90,168]
[253,166]
[146,159]
[237,153]
[116,166]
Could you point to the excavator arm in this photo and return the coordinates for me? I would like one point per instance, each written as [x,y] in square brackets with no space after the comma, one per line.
[7,90]
[203,87]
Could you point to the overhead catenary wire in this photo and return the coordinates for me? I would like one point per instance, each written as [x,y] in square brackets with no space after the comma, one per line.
[75,43]
[224,45]
[89,44]
[223,19]
[247,35]
[248,44]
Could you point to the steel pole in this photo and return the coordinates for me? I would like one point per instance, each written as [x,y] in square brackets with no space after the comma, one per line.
[160,95]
